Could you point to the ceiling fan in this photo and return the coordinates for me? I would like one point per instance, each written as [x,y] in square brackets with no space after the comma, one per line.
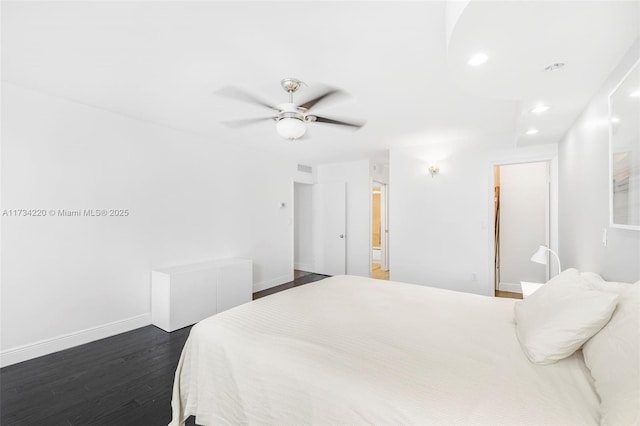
[291,119]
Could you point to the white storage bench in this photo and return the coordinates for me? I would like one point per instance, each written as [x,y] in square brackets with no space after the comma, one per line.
[183,295]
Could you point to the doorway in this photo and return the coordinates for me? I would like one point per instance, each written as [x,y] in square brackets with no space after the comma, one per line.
[302,229]
[379,231]
[521,224]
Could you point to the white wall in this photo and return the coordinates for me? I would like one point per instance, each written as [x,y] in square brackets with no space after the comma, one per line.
[380,172]
[584,192]
[438,226]
[441,230]
[303,227]
[356,176]
[190,199]
[523,223]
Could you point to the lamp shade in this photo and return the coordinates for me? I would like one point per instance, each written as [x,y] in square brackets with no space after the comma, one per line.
[291,127]
[540,256]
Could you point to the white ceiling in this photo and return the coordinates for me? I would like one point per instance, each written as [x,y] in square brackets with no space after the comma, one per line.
[589,37]
[162,62]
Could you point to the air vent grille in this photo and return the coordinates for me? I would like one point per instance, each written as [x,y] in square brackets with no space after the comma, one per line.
[305,169]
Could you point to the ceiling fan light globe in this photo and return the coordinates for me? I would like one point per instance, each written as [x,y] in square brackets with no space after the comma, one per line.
[291,127]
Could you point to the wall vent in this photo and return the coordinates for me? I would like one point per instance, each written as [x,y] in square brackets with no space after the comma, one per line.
[305,169]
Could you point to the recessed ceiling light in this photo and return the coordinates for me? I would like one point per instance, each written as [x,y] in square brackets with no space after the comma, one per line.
[540,109]
[615,120]
[532,131]
[478,59]
[635,93]
[554,67]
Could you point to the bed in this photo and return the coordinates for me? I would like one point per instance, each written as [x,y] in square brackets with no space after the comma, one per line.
[353,350]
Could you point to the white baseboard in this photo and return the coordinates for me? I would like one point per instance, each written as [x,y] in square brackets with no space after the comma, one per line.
[307,267]
[513,288]
[273,282]
[66,341]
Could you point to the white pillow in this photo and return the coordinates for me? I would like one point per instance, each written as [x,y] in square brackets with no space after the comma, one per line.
[598,283]
[613,356]
[556,320]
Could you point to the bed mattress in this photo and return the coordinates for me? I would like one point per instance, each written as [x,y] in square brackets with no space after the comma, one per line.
[353,350]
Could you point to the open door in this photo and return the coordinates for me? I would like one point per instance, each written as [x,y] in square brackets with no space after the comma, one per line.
[330,216]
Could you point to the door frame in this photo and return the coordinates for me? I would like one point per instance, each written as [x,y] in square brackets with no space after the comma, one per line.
[384,223]
[552,206]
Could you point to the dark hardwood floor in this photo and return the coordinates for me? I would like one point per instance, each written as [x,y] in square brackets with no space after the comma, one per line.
[302,278]
[121,380]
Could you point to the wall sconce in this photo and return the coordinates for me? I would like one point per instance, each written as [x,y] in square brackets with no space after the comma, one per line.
[434,170]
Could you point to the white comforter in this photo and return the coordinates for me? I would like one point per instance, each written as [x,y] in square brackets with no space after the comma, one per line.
[350,350]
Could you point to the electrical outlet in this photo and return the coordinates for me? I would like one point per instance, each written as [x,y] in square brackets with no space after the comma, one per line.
[604,237]
[474,277]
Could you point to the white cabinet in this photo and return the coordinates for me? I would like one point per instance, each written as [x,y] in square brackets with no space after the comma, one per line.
[183,295]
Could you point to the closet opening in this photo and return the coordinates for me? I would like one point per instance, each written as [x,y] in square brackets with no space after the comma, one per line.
[521,224]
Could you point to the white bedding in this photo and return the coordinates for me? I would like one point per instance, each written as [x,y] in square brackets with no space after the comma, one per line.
[352,350]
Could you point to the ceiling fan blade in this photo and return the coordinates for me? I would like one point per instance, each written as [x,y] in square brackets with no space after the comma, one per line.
[329,93]
[237,93]
[327,120]
[245,122]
